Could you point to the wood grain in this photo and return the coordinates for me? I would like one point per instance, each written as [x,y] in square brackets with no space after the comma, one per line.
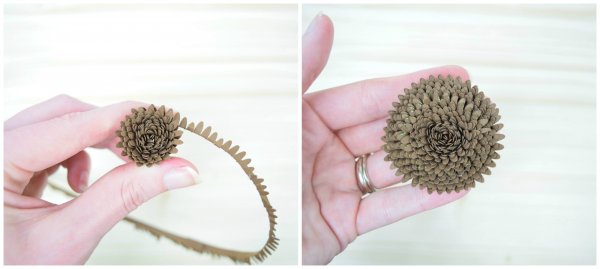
[538,63]
[232,66]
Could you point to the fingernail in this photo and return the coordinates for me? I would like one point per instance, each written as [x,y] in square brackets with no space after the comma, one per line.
[83,181]
[180,177]
[313,23]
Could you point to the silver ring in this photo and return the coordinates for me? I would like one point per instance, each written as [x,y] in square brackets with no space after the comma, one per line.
[364,184]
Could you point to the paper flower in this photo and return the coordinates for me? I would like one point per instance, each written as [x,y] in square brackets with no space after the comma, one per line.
[149,135]
[443,134]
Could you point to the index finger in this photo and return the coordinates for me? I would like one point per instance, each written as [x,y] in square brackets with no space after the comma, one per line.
[365,101]
[54,107]
[40,145]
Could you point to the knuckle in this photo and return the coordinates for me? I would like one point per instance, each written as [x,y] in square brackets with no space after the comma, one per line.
[64,97]
[460,69]
[387,212]
[132,195]
[365,94]
[369,98]
[419,200]
[69,101]
[69,117]
[131,104]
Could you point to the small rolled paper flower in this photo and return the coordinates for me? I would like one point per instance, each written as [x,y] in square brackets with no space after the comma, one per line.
[149,135]
[443,135]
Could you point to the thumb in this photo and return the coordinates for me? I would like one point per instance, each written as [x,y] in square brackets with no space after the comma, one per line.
[316,46]
[122,190]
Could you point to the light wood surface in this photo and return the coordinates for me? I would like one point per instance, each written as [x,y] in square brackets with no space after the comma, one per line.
[232,66]
[537,62]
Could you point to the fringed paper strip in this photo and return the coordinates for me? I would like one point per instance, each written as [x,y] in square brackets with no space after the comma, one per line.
[150,135]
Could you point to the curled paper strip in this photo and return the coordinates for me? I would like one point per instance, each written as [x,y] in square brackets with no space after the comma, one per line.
[443,134]
[150,135]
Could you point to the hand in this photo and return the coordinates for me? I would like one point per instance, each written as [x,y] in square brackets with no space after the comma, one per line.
[56,132]
[339,124]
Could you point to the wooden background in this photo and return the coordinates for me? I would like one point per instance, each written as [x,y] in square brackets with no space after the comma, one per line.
[232,66]
[538,64]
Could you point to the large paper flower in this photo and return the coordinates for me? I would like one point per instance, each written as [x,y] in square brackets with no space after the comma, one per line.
[149,135]
[443,134]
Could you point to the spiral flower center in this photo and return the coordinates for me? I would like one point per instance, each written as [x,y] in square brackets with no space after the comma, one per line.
[444,138]
[151,135]
[442,134]
[148,140]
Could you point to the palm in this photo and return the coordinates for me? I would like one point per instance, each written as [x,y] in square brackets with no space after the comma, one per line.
[329,187]
[337,125]
[334,212]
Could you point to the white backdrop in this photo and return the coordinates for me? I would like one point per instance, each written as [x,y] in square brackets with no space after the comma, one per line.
[537,63]
[232,66]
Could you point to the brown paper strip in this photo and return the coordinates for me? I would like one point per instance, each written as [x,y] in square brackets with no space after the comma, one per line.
[150,118]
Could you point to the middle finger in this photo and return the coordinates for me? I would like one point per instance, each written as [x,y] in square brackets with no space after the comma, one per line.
[379,171]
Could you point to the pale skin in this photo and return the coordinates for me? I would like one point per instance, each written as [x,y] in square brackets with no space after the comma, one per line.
[56,133]
[339,124]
